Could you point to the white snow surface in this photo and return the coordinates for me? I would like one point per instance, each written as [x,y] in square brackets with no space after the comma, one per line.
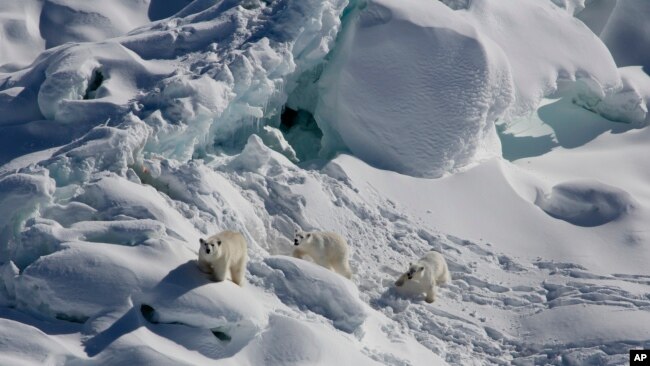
[486,62]
[626,31]
[498,132]
[412,118]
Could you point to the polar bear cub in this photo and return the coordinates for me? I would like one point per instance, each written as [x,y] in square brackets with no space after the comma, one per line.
[327,249]
[223,252]
[425,274]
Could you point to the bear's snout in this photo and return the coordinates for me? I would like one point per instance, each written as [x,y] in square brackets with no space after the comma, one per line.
[295,242]
[410,274]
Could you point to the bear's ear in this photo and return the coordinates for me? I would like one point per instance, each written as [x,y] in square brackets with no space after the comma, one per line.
[202,241]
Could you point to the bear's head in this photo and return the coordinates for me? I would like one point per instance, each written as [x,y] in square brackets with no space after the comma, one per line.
[414,271]
[301,237]
[211,246]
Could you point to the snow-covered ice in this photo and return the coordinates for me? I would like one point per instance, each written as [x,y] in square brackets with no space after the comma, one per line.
[318,289]
[510,136]
[432,113]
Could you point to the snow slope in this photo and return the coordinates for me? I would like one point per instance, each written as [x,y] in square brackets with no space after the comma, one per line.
[29,27]
[500,133]
[626,31]
[433,113]
[20,40]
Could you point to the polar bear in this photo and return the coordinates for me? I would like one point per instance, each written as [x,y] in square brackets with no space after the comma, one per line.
[327,249]
[425,274]
[223,252]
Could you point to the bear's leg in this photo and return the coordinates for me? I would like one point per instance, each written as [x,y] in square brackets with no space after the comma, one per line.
[447,276]
[219,273]
[297,253]
[400,281]
[343,269]
[323,261]
[237,273]
[205,267]
[431,294]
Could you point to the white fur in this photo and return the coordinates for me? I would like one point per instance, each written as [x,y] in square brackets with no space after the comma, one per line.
[231,255]
[327,249]
[427,273]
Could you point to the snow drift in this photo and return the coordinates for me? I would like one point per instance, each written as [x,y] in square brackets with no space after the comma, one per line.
[177,120]
[411,118]
[586,203]
[318,289]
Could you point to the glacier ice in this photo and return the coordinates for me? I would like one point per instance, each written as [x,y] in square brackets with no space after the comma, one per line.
[23,195]
[410,118]
[224,87]
[238,62]
[539,60]
[626,33]
[241,64]
[132,148]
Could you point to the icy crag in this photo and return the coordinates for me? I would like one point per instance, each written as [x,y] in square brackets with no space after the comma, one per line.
[177,123]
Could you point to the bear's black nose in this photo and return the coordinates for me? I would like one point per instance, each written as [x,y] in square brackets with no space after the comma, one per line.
[295,241]
[207,251]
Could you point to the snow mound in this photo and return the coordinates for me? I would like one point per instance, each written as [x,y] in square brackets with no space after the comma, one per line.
[566,52]
[634,98]
[79,160]
[29,27]
[627,105]
[410,118]
[257,157]
[128,149]
[109,196]
[22,344]
[311,286]
[8,273]
[22,196]
[64,21]
[20,39]
[186,296]
[84,279]
[566,61]
[626,33]
[586,203]
[290,342]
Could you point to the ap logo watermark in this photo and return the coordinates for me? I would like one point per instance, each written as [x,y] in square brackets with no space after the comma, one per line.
[639,357]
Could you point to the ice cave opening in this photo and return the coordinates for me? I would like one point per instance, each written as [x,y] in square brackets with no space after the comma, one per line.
[302,133]
[95,82]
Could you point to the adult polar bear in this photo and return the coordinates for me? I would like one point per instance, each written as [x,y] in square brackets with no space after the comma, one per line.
[223,252]
[424,275]
[327,249]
